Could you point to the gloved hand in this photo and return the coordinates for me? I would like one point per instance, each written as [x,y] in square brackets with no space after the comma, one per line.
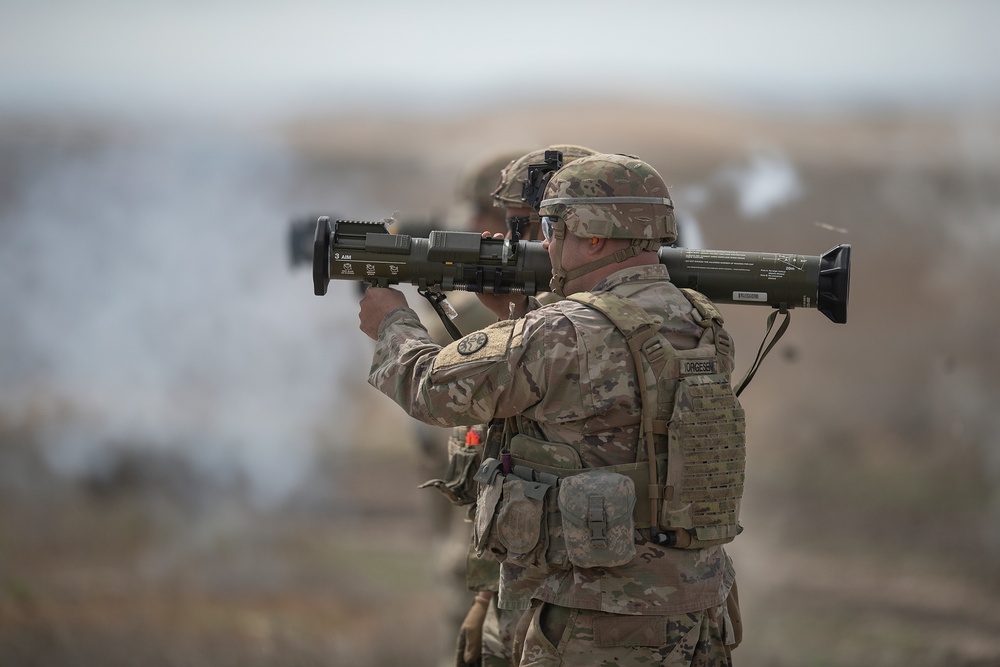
[469,651]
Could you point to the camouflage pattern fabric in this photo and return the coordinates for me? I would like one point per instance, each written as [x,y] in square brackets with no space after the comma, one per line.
[566,369]
[611,196]
[609,497]
[498,635]
[507,192]
[584,638]
[478,183]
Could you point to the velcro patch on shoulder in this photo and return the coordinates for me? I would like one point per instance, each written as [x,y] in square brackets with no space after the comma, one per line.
[703,366]
[489,344]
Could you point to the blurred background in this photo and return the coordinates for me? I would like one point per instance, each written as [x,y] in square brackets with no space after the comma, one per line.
[193,470]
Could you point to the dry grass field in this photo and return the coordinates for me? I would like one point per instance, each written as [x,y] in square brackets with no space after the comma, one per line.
[872,510]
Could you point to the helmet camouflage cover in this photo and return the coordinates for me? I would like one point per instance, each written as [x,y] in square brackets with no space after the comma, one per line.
[478,183]
[514,175]
[611,196]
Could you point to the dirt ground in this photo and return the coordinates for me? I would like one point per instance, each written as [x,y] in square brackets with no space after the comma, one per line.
[872,508]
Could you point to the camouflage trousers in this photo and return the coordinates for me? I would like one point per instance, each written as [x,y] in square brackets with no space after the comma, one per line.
[498,635]
[563,636]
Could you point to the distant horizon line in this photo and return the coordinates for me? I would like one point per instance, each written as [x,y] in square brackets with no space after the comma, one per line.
[397,101]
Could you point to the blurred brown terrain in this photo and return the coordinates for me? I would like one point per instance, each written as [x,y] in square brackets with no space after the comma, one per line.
[872,509]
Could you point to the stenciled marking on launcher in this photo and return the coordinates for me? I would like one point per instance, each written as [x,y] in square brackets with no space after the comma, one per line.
[791,262]
[750,296]
[472,343]
[371,268]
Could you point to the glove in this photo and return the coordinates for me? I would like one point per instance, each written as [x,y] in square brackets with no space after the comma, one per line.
[469,650]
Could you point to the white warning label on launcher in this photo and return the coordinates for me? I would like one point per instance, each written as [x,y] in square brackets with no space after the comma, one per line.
[750,296]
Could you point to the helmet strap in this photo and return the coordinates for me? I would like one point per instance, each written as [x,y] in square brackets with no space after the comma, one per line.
[534,224]
[558,282]
[637,246]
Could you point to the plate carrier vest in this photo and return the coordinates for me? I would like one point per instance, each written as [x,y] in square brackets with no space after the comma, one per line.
[691,458]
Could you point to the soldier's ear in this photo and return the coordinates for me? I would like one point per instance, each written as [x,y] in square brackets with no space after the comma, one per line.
[596,246]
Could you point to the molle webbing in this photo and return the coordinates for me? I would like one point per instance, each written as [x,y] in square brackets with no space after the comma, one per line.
[687,396]
[707,436]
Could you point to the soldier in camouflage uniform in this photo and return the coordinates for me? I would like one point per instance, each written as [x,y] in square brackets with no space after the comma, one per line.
[616,480]
[463,577]
[498,625]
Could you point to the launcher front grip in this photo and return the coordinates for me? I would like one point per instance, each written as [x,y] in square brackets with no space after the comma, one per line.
[448,260]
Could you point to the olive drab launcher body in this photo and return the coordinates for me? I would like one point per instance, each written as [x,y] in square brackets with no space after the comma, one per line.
[453,260]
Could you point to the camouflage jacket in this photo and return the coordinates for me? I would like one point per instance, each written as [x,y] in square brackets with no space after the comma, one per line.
[565,369]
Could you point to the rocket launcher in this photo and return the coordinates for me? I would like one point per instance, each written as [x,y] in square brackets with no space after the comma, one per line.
[454,260]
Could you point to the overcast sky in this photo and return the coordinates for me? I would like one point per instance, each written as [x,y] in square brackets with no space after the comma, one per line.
[227,54]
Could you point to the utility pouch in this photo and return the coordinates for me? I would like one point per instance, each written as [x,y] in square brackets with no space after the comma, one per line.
[597,518]
[544,455]
[521,522]
[458,485]
[490,489]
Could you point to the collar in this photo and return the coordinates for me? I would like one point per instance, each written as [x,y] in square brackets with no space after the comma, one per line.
[646,273]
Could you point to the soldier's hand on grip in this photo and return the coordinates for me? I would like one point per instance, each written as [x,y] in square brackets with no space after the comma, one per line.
[375,305]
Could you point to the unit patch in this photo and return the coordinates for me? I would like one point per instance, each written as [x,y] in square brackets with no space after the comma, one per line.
[487,345]
[472,343]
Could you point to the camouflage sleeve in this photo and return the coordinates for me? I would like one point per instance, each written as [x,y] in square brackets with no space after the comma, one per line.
[403,343]
[534,303]
[499,371]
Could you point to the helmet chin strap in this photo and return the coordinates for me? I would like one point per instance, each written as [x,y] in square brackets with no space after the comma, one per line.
[561,277]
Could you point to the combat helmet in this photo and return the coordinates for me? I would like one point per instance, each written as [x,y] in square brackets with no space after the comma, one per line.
[478,183]
[515,175]
[509,193]
[611,196]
